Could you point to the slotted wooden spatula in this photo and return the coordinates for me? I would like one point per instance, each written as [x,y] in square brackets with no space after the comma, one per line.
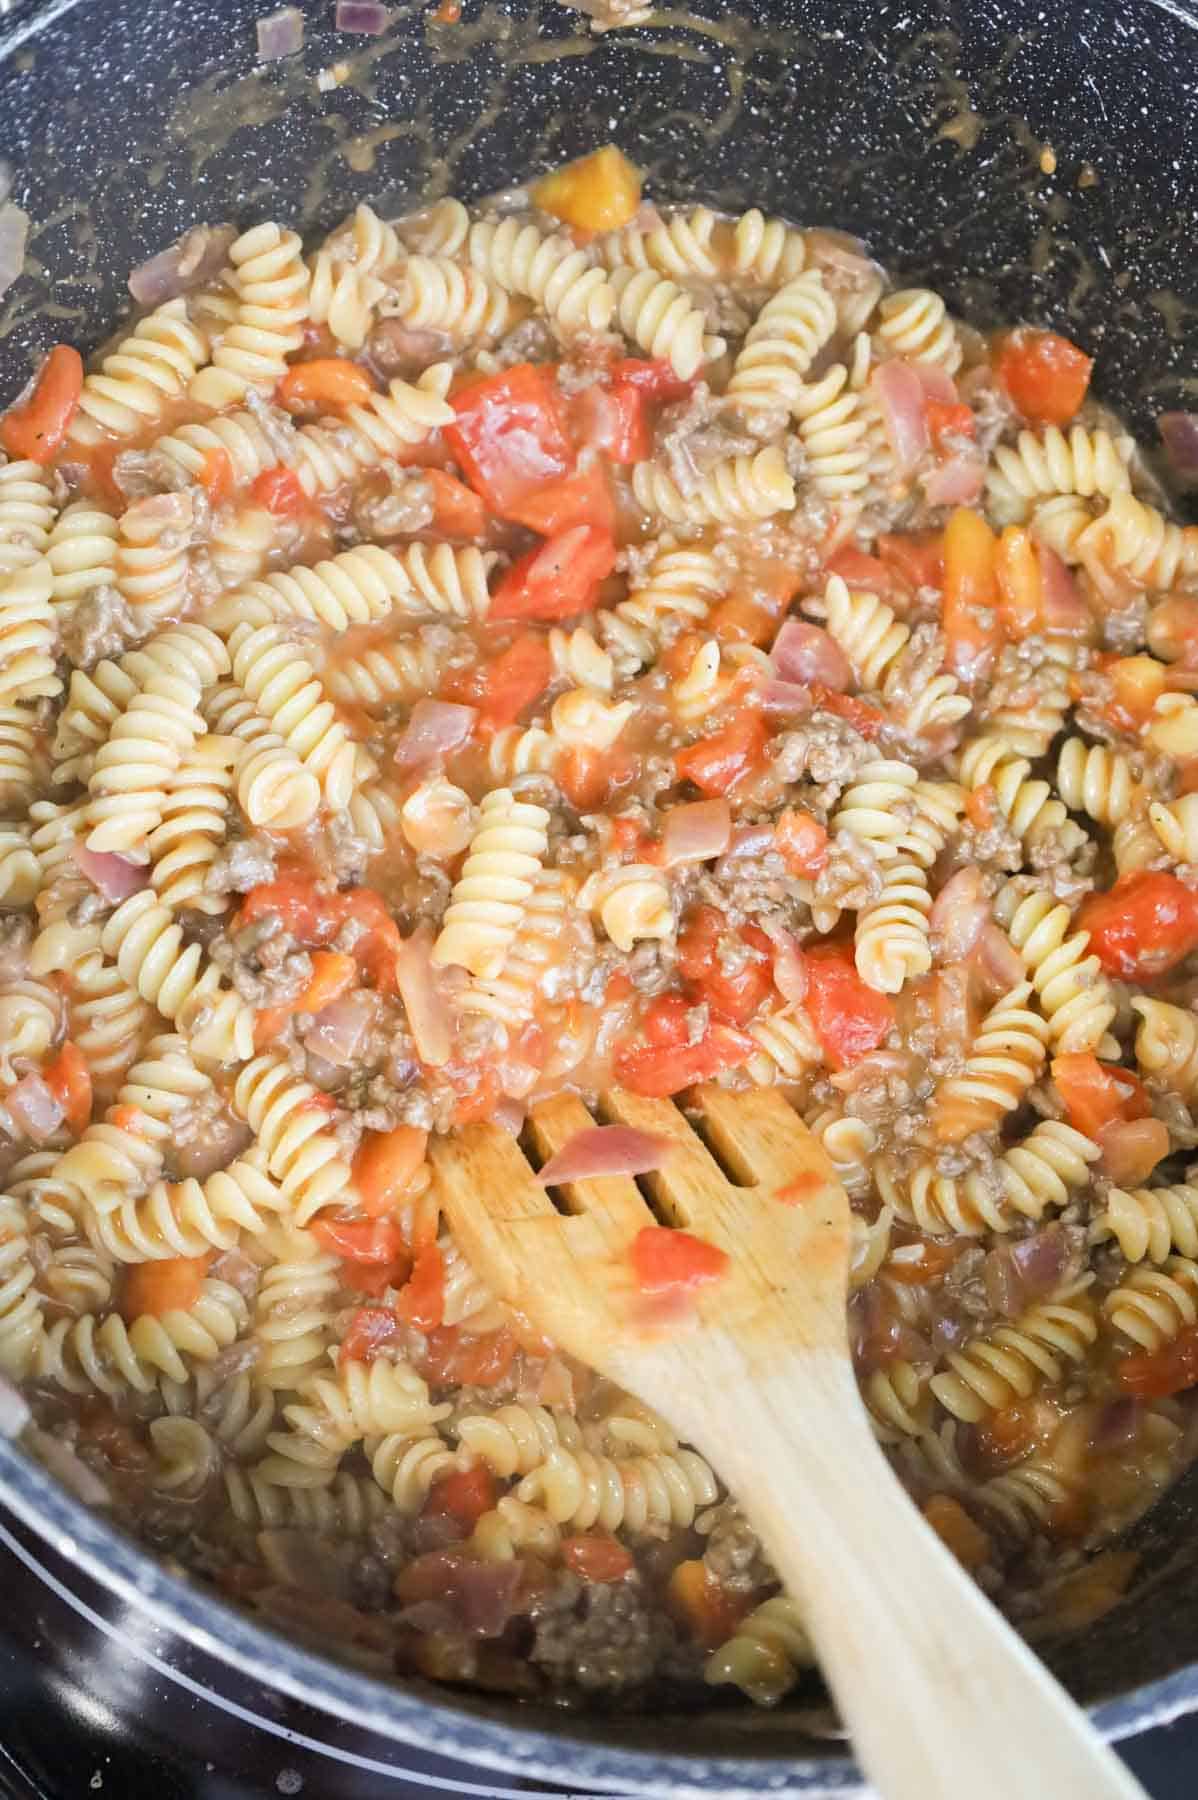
[944,1701]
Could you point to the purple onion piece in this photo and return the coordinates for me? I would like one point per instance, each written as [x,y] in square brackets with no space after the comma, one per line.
[280,34]
[1179,434]
[366,18]
[191,261]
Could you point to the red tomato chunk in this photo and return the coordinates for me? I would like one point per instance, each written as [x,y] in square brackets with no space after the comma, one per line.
[668,1262]
[1144,926]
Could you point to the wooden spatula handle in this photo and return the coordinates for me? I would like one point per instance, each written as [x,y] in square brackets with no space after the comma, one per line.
[942,1697]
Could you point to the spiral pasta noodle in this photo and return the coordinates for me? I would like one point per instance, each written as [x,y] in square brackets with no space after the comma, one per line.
[149,369]
[1005,1059]
[272,304]
[27,512]
[663,320]
[300,1153]
[1073,992]
[1151,1223]
[584,1490]
[1153,1304]
[914,323]
[547,270]
[738,490]
[781,345]
[492,890]
[282,683]
[1008,1364]
[81,550]
[28,633]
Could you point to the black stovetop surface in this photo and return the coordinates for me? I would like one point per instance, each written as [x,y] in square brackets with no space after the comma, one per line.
[90,1710]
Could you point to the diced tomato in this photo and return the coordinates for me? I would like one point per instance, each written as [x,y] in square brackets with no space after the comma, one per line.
[477,1100]
[981,807]
[457,510]
[590,779]
[615,418]
[452,1358]
[715,764]
[1156,1374]
[372,1328]
[1138,683]
[510,437]
[559,579]
[216,476]
[34,430]
[465,1495]
[69,1079]
[1005,1436]
[670,1262]
[1144,926]
[848,1017]
[327,384]
[173,1284]
[280,491]
[581,499]
[127,1118]
[665,1064]
[970,613]
[953,1526]
[422,1301]
[739,620]
[359,1240]
[1045,375]
[802,842]
[373,1279]
[945,417]
[915,557]
[502,689]
[860,570]
[597,1557]
[654,380]
[1094,1094]
[733,992]
[866,720]
[697,1600]
[385,1164]
[315,916]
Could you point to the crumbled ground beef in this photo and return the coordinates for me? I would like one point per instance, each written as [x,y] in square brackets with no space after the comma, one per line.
[732,1551]
[277,426]
[394,348]
[695,434]
[393,502]
[98,625]
[825,749]
[599,1637]
[262,961]
[139,473]
[16,936]
[240,865]
[1126,629]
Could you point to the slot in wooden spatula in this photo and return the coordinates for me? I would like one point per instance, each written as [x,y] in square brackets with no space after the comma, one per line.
[944,1701]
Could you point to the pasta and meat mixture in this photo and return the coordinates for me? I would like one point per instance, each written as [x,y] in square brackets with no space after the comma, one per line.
[562,644]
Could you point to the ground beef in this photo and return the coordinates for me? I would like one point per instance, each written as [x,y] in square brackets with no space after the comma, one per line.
[1126,630]
[1066,872]
[277,426]
[394,502]
[140,473]
[239,866]
[530,341]
[16,935]
[733,1553]
[599,1637]
[753,888]
[205,1136]
[262,962]
[97,626]
[695,434]
[825,749]
[394,348]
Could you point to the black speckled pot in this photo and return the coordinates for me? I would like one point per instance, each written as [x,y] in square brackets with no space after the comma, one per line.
[927,126]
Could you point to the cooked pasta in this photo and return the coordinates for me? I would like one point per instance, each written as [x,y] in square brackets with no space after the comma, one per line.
[462,668]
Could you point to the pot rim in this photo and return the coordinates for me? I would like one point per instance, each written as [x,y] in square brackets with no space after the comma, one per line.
[396,1711]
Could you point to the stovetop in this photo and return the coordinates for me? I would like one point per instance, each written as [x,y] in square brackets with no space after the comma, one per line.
[90,1709]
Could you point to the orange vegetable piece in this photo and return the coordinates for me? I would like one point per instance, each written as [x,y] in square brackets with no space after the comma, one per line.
[216,476]
[422,1299]
[697,1600]
[1017,570]
[333,973]
[1095,1094]
[599,192]
[970,616]
[667,1261]
[327,384]
[953,1526]
[385,1165]
[465,1495]
[597,1557]
[69,1079]
[1169,1370]
[458,510]
[1139,682]
[802,842]
[280,491]
[171,1285]
[34,430]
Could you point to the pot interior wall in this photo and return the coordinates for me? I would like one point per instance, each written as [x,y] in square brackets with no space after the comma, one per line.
[1026,163]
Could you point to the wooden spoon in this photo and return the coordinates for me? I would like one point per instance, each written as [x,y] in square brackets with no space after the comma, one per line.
[944,1700]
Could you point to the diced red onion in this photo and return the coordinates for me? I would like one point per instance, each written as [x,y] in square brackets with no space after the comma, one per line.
[606,1150]
[427,1010]
[434,729]
[939,388]
[188,263]
[1018,1272]
[804,652]
[785,697]
[955,482]
[35,1111]
[878,1334]
[280,34]
[696,831]
[340,1028]
[1179,434]
[14,1412]
[113,876]
[14,234]
[1062,602]
[1118,1424]
[998,957]
[790,970]
[509,1115]
[364,17]
[959,914]
[751,840]
[477,1597]
[949,1332]
[68,1468]
[899,392]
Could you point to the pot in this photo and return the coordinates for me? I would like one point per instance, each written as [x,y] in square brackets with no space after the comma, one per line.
[1030,163]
